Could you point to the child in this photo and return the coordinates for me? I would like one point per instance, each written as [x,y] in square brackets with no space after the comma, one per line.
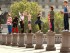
[66,11]
[49,21]
[9,23]
[29,22]
[38,21]
[51,16]
[21,21]
[15,25]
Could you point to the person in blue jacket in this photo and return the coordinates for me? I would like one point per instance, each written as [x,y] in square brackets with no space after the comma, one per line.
[66,11]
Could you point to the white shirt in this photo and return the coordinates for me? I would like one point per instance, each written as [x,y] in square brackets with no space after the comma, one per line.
[21,17]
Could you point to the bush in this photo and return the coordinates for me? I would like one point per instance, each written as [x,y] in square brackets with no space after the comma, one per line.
[34,8]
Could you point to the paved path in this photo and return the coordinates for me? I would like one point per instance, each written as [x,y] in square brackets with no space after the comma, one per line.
[10,49]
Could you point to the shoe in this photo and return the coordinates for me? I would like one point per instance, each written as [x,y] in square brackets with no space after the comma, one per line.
[66,30]
[39,31]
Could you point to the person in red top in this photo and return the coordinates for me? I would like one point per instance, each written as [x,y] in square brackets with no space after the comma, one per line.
[15,25]
[50,26]
[9,23]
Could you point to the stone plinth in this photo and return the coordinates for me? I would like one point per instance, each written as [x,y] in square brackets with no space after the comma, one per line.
[21,40]
[65,47]
[39,40]
[4,39]
[29,40]
[50,41]
[9,36]
[14,39]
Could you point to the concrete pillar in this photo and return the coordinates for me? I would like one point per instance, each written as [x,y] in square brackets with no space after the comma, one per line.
[50,41]
[9,36]
[29,43]
[39,40]
[4,39]
[14,39]
[21,40]
[65,47]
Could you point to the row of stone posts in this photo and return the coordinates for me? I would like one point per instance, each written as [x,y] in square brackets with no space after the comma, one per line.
[18,40]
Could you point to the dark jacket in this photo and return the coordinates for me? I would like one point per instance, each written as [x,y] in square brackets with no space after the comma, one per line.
[15,22]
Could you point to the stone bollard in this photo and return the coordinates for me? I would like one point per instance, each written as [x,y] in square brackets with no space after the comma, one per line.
[50,41]
[21,40]
[9,36]
[4,39]
[65,47]
[29,43]
[14,39]
[39,40]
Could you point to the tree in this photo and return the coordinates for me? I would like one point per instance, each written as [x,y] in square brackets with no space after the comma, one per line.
[24,5]
[34,8]
[58,22]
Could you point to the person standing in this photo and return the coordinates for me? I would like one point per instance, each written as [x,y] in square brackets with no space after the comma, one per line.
[29,22]
[0,20]
[66,11]
[9,23]
[38,21]
[51,18]
[15,25]
[22,21]
[50,26]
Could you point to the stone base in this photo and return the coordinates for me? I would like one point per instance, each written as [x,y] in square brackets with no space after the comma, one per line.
[21,45]
[14,44]
[14,39]
[29,46]
[38,47]
[8,44]
[3,44]
[3,39]
[21,40]
[8,39]
[64,49]
[50,48]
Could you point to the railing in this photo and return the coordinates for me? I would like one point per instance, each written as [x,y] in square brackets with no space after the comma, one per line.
[58,38]
[38,38]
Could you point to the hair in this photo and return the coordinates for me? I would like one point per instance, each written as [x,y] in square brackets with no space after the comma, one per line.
[0,8]
[65,2]
[8,15]
[51,7]
[28,13]
[15,17]
[38,14]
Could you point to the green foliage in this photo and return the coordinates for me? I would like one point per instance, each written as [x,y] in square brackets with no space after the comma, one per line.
[58,22]
[34,8]
[31,7]
[24,5]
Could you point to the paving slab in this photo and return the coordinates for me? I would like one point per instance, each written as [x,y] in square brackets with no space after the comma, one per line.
[15,49]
